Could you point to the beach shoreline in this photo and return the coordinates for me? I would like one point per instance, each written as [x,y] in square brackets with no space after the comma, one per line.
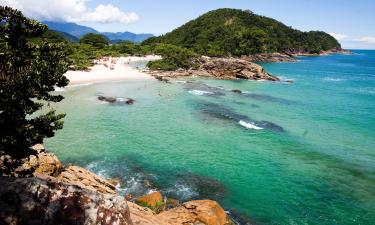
[111,69]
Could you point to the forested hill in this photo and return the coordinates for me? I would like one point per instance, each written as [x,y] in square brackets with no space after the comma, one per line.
[241,32]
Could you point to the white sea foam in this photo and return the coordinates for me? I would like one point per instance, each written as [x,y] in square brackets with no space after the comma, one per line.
[182,191]
[249,125]
[332,79]
[199,92]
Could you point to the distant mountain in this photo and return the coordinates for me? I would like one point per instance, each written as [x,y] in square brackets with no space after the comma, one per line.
[70,28]
[242,32]
[79,30]
[127,36]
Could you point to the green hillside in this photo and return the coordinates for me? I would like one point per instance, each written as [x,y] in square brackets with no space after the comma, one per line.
[241,32]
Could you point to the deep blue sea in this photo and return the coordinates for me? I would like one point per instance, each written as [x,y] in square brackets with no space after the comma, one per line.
[279,153]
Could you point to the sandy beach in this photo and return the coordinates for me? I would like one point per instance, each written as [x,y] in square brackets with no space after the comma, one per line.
[111,69]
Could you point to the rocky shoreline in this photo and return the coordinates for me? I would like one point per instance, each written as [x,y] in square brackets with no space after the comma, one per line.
[245,67]
[53,193]
[218,68]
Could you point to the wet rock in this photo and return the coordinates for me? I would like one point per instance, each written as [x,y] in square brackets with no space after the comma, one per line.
[85,179]
[129,197]
[114,100]
[172,203]
[130,101]
[151,200]
[237,91]
[114,181]
[36,201]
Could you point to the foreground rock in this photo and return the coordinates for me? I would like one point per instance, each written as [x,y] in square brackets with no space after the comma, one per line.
[196,212]
[83,178]
[41,162]
[36,201]
[74,195]
[151,200]
[220,68]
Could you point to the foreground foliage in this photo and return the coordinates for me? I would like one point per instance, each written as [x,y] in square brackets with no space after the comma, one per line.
[30,68]
[237,32]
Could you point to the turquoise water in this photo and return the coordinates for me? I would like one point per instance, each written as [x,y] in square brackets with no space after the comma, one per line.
[308,156]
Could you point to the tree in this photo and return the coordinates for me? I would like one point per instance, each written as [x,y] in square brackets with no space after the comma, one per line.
[29,71]
[96,40]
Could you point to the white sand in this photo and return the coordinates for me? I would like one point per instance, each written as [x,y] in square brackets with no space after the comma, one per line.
[110,69]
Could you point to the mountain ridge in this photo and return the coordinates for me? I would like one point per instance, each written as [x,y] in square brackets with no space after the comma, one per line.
[241,32]
[80,30]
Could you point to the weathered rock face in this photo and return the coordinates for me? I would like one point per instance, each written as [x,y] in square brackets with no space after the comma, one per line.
[151,200]
[36,201]
[198,212]
[85,179]
[41,162]
[221,68]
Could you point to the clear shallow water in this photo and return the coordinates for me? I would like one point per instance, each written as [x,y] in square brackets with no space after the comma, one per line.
[312,160]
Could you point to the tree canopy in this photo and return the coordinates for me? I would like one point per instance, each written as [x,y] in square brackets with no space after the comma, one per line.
[237,32]
[29,72]
[96,40]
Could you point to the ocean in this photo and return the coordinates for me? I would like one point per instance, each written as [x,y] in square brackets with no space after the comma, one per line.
[277,153]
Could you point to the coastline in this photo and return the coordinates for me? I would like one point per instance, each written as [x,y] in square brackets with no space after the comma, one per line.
[111,69]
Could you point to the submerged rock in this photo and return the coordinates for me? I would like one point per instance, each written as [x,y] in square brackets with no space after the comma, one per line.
[114,100]
[37,201]
[237,91]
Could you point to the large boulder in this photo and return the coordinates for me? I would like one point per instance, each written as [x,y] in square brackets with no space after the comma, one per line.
[230,68]
[36,201]
[198,212]
[85,179]
[151,200]
[206,212]
[40,162]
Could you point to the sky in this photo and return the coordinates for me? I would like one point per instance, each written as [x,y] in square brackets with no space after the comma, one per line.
[352,22]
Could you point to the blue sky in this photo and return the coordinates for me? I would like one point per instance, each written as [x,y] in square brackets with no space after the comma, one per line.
[352,22]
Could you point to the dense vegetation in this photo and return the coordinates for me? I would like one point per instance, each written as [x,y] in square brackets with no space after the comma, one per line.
[240,32]
[30,68]
[174,57]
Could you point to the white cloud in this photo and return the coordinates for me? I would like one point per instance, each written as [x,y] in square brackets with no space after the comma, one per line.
[71,11]
[339,37]
[367,39]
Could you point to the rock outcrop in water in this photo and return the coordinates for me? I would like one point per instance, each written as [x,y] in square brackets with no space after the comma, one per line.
[74,195]
[220,68]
